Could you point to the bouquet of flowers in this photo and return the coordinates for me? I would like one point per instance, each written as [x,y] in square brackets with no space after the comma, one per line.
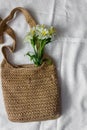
[38,37]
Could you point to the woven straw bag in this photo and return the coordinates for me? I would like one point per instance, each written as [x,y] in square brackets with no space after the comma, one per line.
[30,93]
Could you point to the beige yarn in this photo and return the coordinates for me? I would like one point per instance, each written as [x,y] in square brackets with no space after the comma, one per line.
[30,93]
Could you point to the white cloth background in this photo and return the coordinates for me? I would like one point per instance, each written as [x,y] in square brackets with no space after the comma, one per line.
[69,51]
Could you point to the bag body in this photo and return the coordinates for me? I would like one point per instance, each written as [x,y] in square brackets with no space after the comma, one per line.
[30,93]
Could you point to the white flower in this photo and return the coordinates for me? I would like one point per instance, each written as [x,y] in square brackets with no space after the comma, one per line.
[32,31]
[41,32]
[52,30]
[28,38]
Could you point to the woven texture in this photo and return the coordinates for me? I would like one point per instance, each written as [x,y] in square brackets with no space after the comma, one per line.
[30,93]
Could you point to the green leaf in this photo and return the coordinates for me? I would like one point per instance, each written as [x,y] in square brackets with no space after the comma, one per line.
[48,40]
[47,60]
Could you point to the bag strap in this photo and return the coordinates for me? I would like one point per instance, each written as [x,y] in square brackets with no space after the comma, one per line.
[5,28]
[10,32]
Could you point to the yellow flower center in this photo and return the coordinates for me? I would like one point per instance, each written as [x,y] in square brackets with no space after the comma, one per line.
[44,33]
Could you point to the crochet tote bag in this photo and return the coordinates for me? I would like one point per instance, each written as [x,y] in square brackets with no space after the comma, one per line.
[30,93]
